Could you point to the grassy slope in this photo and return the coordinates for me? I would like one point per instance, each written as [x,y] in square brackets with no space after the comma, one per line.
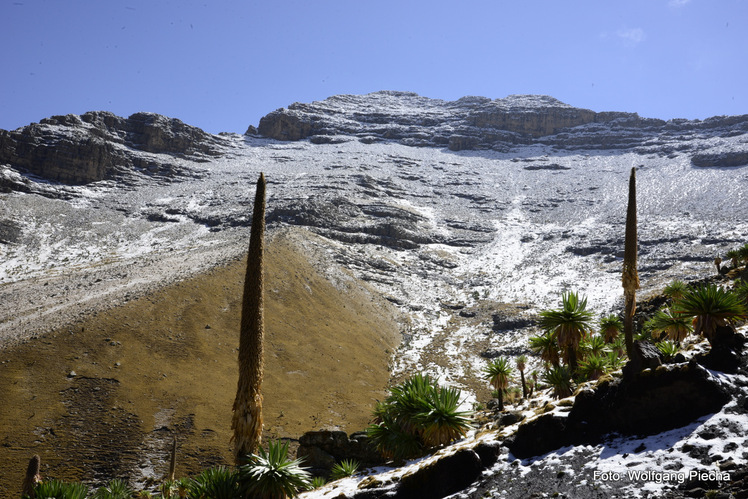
[165,364]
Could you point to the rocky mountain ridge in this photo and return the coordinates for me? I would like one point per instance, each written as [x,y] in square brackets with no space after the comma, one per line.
[99,145]
[479,123]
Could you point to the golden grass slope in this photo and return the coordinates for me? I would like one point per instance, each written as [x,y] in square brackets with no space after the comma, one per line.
[166,364]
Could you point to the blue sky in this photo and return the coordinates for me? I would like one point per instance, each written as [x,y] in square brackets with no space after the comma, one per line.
[222,65]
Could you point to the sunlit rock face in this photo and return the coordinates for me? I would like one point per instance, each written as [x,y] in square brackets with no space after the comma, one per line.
[99,145]
[474,123]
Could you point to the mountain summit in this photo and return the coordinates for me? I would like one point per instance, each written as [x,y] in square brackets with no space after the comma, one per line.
[479,123]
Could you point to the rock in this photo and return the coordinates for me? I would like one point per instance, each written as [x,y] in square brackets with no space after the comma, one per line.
[720,159]
[99,145]
[481,123]
[646,356]
[322,449]
[650,402]
[725,352]
[445,476]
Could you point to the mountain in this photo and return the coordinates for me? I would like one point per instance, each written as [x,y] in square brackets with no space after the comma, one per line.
[468,216]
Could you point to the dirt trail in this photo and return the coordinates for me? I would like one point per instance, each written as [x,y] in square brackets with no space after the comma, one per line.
[103,397]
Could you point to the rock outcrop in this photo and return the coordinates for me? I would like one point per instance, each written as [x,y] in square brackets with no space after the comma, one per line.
[653,401]
[98,145]
[472,123]
[320,450]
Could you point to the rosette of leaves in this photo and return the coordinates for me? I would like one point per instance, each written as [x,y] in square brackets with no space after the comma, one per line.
[115,489]
[546,346]
[675,326]
[344,469]
[570,324]
[711,307]
[668,349]
[610,327]
[416,416]
[272,474]
[57,489]
[559,379]
[497,373]
[593,366]
[218,482]
[675,290]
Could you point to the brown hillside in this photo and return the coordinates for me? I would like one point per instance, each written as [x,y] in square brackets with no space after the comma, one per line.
[165,364]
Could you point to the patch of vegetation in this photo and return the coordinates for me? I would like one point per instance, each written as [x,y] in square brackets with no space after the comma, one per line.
[417,416]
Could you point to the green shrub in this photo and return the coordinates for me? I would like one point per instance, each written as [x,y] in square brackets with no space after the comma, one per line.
[57,489]
[559,378]
[675,290]
[343,469]
[668,349]
[271,474]
[675,326]
[215,483]
[593,366]
[416,416]
[115,489]
[317,482]
[610,327]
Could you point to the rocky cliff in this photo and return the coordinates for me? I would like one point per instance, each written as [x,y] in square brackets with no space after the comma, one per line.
[99,145]
[479,123]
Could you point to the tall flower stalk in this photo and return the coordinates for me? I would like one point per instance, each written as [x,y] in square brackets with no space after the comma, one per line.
[630,278]
[247,418]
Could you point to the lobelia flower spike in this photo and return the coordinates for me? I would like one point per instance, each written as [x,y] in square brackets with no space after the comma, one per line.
[247,418]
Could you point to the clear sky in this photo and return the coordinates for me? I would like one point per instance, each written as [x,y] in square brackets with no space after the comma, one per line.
[223,64]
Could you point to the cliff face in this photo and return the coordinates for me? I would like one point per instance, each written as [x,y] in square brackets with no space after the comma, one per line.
[98,145]
[479,123]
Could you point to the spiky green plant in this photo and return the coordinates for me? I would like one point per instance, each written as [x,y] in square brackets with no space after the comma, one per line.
[521,366]
[618,346]
[497,373]
[743,253]
[546,346]
[114,489]
[168,489]
[675,326]
[392,440]
[668,349]
[610,327]
[344,469]
[734,257]
[675,290]
[317,482]
[593,366]
[570,324]
[559,378]
[442,422]
[614,359]
[593,344]
[272,475]
[417,415]
[740,288]
[57,489]
[711,307]
[218,482]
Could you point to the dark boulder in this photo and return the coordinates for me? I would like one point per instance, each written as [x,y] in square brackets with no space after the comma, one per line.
[441,478]
[320,450]
[650,402]
[645,356]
